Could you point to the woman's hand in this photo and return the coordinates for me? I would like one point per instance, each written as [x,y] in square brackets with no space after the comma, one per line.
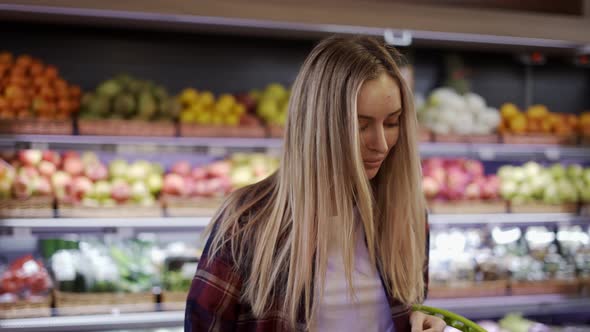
[422,322]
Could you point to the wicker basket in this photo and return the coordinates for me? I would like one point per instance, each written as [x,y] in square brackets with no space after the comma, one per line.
[545,287]
[454,138]
[37,307]
[68,304]
[126,128]
[190,130]
[190,206]
[36,127]
[275,131]
[173,301]
[551,139]
[543,208]
[467,207]
[119,211]
[34,207]
[468,289]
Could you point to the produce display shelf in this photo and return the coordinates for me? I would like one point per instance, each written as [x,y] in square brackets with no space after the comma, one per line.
[60,224]
[508,219]
[86,223]
[56,141]
[472,150]
[548,305]
[474,308]
[95,322]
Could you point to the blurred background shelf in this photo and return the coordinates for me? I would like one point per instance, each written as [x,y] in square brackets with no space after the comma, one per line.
[476,308]
[40,225]
[223,145]
[95,322]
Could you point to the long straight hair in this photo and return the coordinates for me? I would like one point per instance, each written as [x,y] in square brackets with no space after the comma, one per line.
[278,230]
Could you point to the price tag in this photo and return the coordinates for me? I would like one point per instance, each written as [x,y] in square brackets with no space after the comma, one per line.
[40,145]
[487,153]
[552,153]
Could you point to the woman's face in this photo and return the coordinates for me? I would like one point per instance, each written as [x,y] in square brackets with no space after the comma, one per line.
[379,106]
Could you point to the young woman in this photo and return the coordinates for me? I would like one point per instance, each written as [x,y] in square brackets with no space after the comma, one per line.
[336,239]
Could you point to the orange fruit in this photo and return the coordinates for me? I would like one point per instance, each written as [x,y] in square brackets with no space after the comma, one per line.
[36,69]
[6,57]
[51,72]
[75,91]
[14,92]
[47,93]
[24,60]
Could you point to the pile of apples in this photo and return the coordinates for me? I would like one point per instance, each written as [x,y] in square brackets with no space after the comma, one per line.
[77,179]
[184,180]
[458,179]
[218,178]
[536,119]
[555,184]
[201,107]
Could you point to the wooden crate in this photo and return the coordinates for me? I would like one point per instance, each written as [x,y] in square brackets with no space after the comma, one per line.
[543,208]
[119,211]
[68,304]
[34,307]
[126,128]
[454,138]
[33,207]
[191,130]
[467,207]
[468,289]
[36,127]
[173,301]
[190,206]
[550,139]
[545,287]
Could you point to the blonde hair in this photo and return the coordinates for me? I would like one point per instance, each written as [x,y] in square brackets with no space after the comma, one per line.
[278,229]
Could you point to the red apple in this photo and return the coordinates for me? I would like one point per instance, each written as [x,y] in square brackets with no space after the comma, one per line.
[248,101]
[200,188]
[73,165]
[60,181]
[436,173]
[198,173]
[46,168]
[219,169]
[430,187]
[182,168]
[174,185]
[30,157]
[43,187]
[96,171]
[80,186]
[472,191]
[71,154]
[23,186]
[491,187]
[433,163]
[52,157]
[29,172]
[474,167]
[120,191]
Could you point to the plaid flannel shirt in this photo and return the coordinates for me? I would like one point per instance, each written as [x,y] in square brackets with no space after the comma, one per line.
[213,302]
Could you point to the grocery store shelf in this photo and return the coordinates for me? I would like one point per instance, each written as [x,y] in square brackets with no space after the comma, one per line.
[477,151]
[57,141]
[84,224]
[531,305]
[473,308]
[94,223]
[95,322]
[504,151]
[508,219]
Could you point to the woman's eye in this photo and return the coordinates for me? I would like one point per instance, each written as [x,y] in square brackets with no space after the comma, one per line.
[392,125]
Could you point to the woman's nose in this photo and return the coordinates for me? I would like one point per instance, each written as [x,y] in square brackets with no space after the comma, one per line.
[378,140]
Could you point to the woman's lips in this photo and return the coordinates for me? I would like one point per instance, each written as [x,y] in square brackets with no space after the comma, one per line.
[373,163]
